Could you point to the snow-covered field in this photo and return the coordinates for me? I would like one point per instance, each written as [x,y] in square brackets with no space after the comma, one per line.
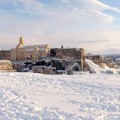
[29,96]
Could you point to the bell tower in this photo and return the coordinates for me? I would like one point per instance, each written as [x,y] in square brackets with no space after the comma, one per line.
[21,42]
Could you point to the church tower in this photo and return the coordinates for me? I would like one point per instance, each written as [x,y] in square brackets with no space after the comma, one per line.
[21,42]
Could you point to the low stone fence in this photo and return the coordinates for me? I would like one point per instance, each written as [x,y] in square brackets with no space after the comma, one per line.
[43,69]
[6,65]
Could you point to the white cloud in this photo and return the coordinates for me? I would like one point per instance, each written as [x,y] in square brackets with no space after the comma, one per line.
[96,4]
[64,23]
[92,10]
[83,10]
[90,4]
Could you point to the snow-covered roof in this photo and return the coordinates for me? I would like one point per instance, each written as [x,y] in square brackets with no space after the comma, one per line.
[5,61]
[34,46]
[42,49]
[30,49]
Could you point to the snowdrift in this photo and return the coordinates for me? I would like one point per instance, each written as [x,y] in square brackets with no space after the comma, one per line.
[94,68]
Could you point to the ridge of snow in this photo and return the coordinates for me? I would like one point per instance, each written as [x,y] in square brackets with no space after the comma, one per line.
[96,69]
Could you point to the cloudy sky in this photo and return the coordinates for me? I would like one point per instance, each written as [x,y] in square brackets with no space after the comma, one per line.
[90,24]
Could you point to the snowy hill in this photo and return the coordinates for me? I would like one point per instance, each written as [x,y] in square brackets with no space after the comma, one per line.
[29,96]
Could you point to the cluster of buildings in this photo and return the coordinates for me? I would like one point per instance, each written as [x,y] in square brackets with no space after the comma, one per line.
[24,52]
[49,60]
[30,52]
[33,53]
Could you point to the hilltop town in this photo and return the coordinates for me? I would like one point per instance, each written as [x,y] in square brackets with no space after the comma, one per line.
[46,60]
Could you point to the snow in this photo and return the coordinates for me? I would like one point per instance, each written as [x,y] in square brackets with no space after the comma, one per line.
[30,96]
[5,61]
[42,49]
[117,59]
[30,49]
[94,68]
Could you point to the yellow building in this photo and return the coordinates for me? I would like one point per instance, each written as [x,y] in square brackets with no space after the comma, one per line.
[30,52]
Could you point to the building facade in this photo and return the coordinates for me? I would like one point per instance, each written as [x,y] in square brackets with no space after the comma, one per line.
[30,52]
[5,54]
[68,53]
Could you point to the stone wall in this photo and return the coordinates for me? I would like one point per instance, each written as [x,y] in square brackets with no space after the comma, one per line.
[43,69]
[6,65]
[68,53]
[5,54]
[18,67]
[97,59]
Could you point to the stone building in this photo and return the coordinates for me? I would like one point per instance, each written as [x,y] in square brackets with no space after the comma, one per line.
[29,52]
[68,53]
[1,54]
[5,54]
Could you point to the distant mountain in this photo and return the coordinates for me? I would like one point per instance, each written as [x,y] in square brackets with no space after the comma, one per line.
[113,55]
[112,52]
